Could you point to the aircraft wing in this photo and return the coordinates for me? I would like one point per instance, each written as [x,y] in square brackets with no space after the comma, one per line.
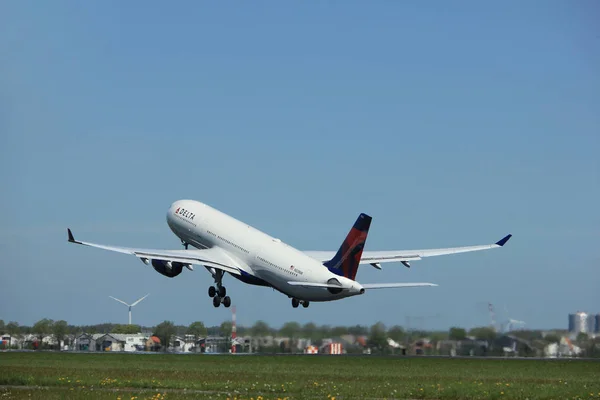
[405,256]
[213,257]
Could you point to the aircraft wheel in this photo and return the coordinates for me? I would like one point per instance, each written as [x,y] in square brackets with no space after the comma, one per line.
[212,292]
[295,303]
[222,291]
[216,301]
[305,304]
[226,301]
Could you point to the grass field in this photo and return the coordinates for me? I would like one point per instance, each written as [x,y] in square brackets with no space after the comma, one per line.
[130,376]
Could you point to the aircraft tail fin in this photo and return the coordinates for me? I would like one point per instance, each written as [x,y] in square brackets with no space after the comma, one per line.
[346,260]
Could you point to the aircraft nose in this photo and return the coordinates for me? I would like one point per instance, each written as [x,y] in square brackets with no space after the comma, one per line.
[174,206]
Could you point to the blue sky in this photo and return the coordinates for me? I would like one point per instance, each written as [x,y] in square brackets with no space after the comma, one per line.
[449,123]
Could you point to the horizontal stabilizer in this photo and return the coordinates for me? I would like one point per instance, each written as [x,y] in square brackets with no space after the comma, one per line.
[394,285]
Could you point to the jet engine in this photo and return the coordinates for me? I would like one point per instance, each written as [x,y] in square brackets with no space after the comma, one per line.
[167,268]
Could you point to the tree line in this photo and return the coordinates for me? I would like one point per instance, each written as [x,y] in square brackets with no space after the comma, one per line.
[376,335]
[312,331]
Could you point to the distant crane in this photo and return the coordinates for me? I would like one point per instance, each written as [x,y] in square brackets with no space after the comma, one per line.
[492,316]
[130,305]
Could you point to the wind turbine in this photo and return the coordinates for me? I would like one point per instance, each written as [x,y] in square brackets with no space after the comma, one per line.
[130,305]
[509,324]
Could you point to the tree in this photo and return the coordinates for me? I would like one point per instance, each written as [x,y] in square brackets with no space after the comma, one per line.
[260,329]
[60,330]
[197,329]
[126,329]
[26,330]
[358,330]
[582,337]
[438,336]
[339,331]
[165,331]
[13,330]
[41,328]
[91,330]
[457,333]
[324,331]
[594,347]
[74,330]
[225,328]
[3,331]
[397,333]
[528,334]
[181,330]
[309,331]
[290,329]
[242,330]
[483,333]
[378,337]
[552,338]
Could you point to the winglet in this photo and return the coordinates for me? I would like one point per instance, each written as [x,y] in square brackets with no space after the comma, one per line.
[503,241]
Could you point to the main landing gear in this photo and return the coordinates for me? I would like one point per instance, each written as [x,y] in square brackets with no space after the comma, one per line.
[296,303]
[219,294]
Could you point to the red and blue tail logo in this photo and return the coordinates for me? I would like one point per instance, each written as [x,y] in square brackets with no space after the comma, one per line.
[345,262]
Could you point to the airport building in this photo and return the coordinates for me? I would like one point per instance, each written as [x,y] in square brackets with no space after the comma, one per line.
[110,342]
[582,322]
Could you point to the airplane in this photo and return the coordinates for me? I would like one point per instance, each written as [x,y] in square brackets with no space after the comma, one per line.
[223,244]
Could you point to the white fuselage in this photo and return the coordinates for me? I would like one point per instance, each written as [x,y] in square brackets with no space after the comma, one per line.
[265,260]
